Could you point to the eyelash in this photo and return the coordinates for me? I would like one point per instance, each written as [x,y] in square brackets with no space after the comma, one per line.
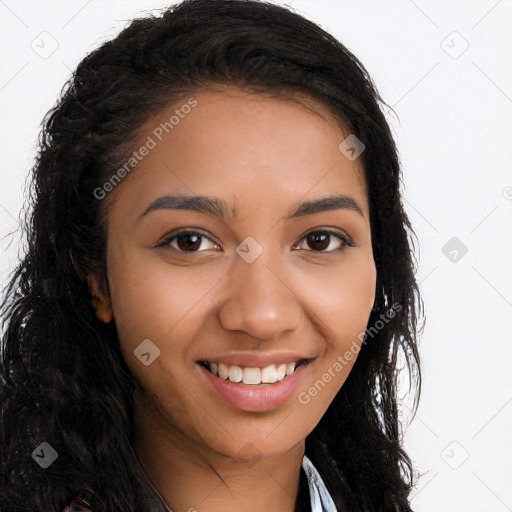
[347,242]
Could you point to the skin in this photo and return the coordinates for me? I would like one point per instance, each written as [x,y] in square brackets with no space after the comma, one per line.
[264,154]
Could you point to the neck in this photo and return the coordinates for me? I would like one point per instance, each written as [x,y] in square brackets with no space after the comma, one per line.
[194,478]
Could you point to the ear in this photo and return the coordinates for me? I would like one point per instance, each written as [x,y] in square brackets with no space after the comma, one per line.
[100,297]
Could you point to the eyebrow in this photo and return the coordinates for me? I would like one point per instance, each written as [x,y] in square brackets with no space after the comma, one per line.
[324,204]
[218,207]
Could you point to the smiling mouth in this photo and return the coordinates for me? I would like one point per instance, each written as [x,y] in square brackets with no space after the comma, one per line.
[253,375]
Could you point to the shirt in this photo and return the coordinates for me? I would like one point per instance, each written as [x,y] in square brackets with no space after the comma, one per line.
[321,500]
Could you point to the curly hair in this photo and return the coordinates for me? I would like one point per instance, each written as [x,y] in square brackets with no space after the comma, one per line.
[63,378]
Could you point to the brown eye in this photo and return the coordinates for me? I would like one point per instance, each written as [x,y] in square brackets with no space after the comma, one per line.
[188,241]
[326,241]
[318,241]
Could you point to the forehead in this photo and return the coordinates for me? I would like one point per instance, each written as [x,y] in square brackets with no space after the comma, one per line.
[262,149]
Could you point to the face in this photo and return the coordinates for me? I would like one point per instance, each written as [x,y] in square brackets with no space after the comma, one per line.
[239,248]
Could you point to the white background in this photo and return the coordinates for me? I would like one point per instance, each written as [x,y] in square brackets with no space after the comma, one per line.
[454,132]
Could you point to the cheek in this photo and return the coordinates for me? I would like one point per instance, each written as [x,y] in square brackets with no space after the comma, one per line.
[352,300]
[344,298]
[344,307]
[353,306]
[151,299]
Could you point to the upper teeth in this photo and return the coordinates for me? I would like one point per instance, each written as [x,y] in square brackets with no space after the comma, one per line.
[251,375]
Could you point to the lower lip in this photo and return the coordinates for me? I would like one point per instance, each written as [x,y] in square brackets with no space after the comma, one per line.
[258,398]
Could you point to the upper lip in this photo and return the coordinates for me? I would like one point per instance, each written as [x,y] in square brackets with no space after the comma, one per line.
[251,359]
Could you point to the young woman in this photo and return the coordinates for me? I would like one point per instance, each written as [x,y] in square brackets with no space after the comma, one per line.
[218,283]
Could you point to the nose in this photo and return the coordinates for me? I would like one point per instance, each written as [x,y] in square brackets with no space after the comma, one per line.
[260,302]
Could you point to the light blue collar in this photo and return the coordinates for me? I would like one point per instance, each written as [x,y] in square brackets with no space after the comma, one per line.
[321,500]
